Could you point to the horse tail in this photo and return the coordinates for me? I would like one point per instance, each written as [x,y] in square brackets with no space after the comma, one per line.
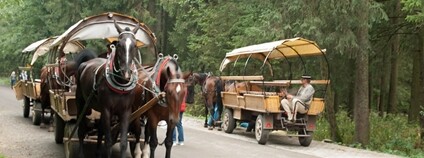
[83,56]
[218,96]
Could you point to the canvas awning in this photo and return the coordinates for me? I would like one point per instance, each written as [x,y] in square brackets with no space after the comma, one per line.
[287,48]
[41,47]
[102,27]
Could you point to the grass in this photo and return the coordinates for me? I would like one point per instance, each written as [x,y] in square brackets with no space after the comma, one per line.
[4,81]
[1,156]
[389,134]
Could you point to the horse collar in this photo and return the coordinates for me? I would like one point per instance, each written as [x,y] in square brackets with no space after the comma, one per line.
[111,81]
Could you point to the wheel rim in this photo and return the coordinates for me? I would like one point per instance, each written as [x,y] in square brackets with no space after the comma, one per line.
[226,121]
[258,128]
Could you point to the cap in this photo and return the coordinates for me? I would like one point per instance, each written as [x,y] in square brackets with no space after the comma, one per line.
[304,76]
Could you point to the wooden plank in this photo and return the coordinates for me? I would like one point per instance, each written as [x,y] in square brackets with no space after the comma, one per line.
[284,83]
[52,65]
[24,68]
[245,78]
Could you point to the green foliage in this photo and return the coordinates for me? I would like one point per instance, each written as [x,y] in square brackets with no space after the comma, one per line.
[415,9]
[5,81]
[390,134]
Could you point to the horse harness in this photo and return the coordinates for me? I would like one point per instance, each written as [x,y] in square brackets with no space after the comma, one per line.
[110,69]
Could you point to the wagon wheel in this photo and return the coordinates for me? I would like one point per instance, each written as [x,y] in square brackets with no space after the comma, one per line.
[36,116]
[71,147]
[261,134]
[26,107]
[305,141]
[229,123]
[59,128]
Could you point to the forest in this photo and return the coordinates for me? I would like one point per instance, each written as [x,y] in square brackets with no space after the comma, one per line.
[375,49]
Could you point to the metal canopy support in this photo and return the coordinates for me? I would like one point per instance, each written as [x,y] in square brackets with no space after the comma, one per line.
[301,59]
[285,58]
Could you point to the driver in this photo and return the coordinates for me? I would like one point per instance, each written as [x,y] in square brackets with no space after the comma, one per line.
[300,102]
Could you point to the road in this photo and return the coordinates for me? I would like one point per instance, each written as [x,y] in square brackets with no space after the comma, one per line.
[20,139]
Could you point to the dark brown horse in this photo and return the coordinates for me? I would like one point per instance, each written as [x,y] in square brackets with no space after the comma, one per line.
[107,86]
[212,94]
[166,77]
[57,78]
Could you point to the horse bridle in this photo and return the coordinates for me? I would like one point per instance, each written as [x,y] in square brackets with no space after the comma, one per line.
[110,68]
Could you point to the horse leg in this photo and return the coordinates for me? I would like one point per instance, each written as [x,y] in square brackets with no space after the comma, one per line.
[144,148]
[100,134]
[51,129]
[124,119]
[81,135]
[206,115]
[136,129]
[153,142]
[106,117]
[42,124]
[168,139]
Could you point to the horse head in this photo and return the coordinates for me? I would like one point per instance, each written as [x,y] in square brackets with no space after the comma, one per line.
[175,88]
[126,50]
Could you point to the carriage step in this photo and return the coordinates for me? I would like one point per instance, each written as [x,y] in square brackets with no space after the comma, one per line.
[91,140]
[297,135]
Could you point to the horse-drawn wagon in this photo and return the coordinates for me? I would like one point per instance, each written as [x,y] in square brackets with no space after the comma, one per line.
[28,88]
[108,27]
[259,102]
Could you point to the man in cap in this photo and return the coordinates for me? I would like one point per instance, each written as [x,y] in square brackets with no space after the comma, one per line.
[300,102]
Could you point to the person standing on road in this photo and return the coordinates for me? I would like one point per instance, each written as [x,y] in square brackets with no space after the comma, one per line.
[179,127]
[12,79]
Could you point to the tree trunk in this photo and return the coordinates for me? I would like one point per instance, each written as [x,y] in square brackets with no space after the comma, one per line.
[383,84]
[392,108]
[414,108]
[361,98]
[331,115]
[351,89]
[420,88]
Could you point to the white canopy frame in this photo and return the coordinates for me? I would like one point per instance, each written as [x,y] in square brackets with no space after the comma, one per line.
[43,46]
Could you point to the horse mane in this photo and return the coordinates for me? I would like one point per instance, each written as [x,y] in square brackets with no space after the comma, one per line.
[84,55]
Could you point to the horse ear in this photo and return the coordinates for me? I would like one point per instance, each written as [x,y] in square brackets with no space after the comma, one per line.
[136,29]
[117,27]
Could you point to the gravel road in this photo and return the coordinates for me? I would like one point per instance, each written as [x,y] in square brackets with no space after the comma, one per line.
[20,139]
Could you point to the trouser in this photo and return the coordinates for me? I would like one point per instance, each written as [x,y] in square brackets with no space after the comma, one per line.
[12,83]
[214,115]
[179,128]
[293,107]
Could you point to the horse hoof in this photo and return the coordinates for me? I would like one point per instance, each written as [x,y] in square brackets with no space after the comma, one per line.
[206,126]
[42,125]
[51,129]
[219,129]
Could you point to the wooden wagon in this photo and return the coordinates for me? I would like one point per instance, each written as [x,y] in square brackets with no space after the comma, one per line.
[264,107]
[99,27]
[28,88]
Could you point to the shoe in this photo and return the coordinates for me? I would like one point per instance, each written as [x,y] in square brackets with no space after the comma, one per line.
[181,143]
[174,144]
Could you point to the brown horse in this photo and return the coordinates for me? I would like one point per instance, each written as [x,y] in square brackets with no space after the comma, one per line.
[107,86]
[57,78]
[213,102]
[165,76]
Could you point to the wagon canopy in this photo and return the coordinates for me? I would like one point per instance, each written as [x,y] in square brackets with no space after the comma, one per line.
[41,47]
[102,27]
[287,48]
